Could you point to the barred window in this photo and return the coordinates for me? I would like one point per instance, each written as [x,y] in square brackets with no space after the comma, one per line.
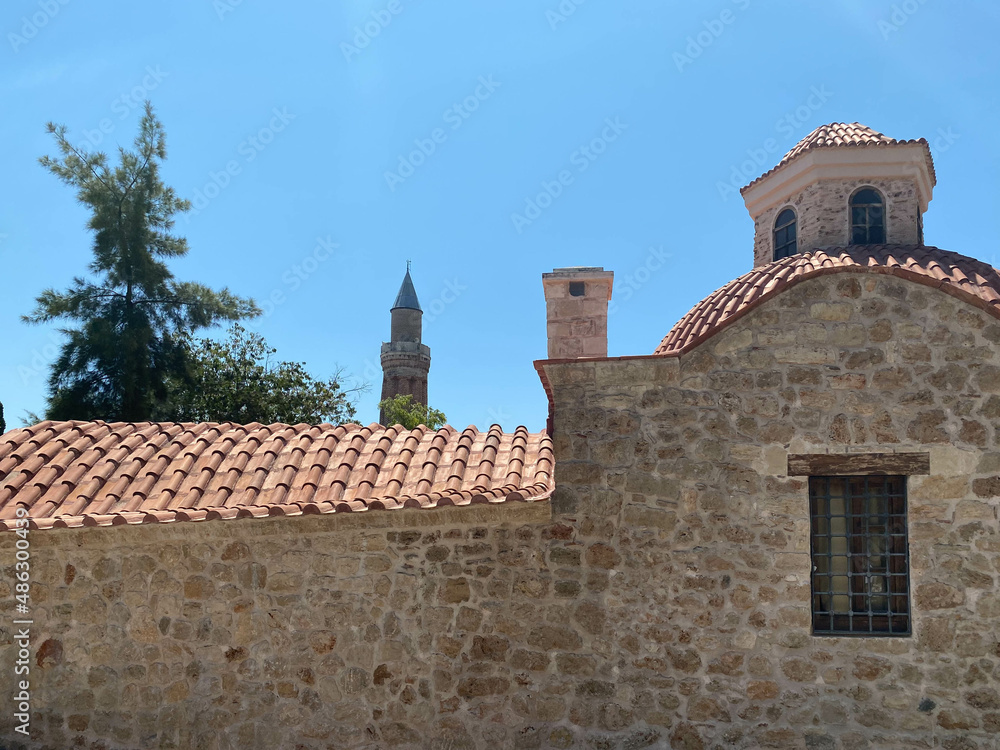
[860,565]
[785,241]
[867,217]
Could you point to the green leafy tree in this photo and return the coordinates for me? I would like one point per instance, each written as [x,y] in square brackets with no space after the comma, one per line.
[131,316]
[405,411]
[236,381]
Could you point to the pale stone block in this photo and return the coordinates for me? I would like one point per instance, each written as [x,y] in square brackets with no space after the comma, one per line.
[948,460]
[792,561]
[775,461]
[934,488]
[838,311]
[734,341]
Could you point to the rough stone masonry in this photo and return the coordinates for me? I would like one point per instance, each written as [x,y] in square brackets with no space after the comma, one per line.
[662,599]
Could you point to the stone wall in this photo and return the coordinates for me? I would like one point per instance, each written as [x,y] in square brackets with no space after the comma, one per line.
[383,629]
[821,209]
[660,600]
[679,466]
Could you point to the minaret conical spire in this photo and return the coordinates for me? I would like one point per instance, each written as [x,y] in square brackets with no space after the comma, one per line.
[407,297]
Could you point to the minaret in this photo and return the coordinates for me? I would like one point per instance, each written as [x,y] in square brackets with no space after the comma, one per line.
[405,361]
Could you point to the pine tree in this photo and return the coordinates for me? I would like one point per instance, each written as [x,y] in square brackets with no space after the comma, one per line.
[131,315]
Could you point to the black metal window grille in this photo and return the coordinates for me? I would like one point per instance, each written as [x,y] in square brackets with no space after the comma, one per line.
[867,217]
[860,566]
[785,241]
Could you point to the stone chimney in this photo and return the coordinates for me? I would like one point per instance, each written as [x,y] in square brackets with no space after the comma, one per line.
[576,311]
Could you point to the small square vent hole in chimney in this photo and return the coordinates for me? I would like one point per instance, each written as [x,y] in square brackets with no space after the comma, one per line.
[577,288]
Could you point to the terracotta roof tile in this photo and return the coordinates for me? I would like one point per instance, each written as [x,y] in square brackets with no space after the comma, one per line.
[852,134]
[73,474]
[966,278]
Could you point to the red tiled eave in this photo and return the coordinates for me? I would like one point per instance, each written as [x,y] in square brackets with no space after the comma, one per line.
[967,279]
[74,474]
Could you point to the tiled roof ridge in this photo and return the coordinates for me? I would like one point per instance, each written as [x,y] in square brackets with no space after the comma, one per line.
[73,473]
[844,134]
[963,277]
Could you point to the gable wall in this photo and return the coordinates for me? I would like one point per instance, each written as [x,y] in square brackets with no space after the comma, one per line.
[679,464]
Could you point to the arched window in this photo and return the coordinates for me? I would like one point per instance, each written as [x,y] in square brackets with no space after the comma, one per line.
[867,217]
[785,241]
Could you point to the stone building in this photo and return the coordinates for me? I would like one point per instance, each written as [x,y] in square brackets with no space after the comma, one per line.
[406,360]
[778,530]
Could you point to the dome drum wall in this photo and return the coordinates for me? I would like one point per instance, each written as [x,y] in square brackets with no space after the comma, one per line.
[823,216]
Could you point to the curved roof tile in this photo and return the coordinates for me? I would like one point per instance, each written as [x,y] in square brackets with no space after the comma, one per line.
[72,474]
[844,134]
[968,279]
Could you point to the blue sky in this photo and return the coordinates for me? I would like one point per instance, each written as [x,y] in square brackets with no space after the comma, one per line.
[405,129]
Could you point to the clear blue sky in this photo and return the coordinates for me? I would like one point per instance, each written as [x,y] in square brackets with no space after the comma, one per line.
[309,115]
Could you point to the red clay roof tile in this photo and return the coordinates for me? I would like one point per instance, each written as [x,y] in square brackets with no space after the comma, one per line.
[73,474]
[960,276]
[852,134]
